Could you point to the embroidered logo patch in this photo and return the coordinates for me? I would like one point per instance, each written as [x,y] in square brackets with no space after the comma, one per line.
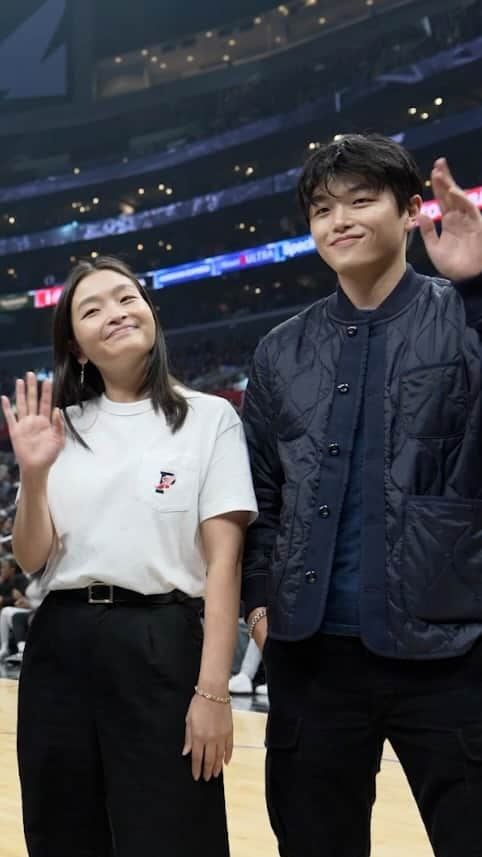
[166,481]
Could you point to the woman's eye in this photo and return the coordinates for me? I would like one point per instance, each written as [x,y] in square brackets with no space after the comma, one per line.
[89,312]
[128,298]
[322,211]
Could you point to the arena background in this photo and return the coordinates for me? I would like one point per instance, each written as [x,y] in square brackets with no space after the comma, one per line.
[172,134]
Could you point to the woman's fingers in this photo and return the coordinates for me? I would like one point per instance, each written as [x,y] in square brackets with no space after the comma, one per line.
[197,753]
[219,762]
[58,425]
[228,750]
[45,407]
[210,754]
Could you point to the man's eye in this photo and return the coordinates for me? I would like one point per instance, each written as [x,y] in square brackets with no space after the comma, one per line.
[362,199]
[323,210]
[89,312]
[128,298]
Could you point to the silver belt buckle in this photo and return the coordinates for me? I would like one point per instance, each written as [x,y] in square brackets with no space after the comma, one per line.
[94,600]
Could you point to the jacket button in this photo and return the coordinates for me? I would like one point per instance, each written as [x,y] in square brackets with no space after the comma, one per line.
[343,388]
[324,511]
[310,576]
[333,449]
[352,330]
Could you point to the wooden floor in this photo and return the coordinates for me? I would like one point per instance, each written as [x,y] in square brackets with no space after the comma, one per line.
[397,831]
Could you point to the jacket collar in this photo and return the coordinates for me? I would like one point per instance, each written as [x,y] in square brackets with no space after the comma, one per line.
[340,307]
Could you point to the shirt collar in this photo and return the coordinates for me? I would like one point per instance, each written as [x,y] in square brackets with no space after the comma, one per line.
[407,289]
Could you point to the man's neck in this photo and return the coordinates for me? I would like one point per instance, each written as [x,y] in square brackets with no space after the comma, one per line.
[370,289]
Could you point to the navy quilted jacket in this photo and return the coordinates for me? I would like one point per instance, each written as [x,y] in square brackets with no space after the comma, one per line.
[418,360]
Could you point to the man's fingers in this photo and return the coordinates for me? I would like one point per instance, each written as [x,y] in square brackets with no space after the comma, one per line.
[8,414]
[32,394]
[20,399]
[428,232]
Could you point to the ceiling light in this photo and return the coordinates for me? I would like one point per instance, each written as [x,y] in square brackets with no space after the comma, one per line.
[76,171]
[425,115]
[161,187]
[94,254]
[412,111]
[140,191]
[322,20]
[168,246]
[258,20]
[96,200]
[438,102]
[154,59]
[144,52]
[140,247]
[226,57]
[232,43]
[118,60]
[169,191]
[163,65]
[209,34]
[190,58]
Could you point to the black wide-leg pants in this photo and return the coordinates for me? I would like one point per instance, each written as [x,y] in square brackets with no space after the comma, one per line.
[104,692]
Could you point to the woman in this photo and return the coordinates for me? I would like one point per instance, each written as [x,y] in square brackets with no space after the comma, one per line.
[135,491]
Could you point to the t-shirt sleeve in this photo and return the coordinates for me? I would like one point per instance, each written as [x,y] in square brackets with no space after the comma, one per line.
[228,486]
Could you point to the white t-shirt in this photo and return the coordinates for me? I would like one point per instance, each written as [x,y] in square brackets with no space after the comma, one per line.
[127,511]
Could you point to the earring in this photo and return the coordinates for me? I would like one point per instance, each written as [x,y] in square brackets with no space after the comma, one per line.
[82,374]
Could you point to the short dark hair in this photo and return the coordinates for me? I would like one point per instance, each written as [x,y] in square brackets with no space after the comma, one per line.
[158,383]
[378,159]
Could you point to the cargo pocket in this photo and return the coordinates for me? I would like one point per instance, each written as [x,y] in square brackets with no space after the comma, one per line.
[470,738]
[282,740]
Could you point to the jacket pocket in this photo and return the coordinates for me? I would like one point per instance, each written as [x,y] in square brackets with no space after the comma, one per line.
[434,401]
[442,559]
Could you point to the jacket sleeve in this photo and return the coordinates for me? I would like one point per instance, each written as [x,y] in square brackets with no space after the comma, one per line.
[470,291]
[268,480]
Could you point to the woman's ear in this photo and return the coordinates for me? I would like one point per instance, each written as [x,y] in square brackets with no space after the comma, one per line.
[78,354]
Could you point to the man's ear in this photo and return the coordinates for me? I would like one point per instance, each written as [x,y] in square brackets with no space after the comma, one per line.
[414,208]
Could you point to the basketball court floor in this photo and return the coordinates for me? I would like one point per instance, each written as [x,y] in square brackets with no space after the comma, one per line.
[397,830]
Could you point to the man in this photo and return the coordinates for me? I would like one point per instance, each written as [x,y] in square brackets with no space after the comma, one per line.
[363,417]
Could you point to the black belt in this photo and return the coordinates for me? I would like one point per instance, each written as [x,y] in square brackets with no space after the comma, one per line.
[104,593]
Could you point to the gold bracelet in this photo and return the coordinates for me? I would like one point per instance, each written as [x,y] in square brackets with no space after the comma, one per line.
[225,700]
[260,614]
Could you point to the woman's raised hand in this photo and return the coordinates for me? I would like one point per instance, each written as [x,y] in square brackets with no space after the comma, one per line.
[37,434]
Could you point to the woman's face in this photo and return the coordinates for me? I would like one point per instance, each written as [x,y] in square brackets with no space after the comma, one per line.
[113,325]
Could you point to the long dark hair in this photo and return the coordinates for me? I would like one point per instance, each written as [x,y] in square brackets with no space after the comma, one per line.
[157,383]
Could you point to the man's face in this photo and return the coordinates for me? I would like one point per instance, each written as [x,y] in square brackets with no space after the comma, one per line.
[356,228]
